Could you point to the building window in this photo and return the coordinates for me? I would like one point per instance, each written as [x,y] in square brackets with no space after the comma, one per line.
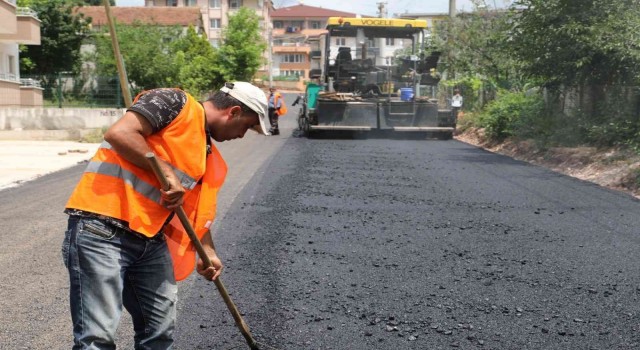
[172,2]
[292,73]
[341,41]
[292,29]
[235,4]
[315,25]
[389,42]
[293,58]
[214,4]
[190,3]
[277,24]
[214,23]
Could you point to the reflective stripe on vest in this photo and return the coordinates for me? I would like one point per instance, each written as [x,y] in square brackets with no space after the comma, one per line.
[145,189]
[185,180]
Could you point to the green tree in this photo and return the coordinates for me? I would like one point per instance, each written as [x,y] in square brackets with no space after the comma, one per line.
[62,32]
[240,55]
[195,60]
[566,42]
[146,51]
[478,46]
[476,54]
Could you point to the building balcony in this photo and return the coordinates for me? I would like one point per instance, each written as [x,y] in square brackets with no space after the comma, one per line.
[28,28]
[294,66]
[296,31]
[291,49]
[8,21]
[314,32]
[33,83]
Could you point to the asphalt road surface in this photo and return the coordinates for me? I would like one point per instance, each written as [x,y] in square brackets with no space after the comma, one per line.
[378,243]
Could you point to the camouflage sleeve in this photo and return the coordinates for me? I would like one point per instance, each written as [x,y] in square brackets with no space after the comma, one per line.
[160,106]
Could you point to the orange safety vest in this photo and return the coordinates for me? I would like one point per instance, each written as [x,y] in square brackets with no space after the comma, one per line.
[117,188]
[283,107]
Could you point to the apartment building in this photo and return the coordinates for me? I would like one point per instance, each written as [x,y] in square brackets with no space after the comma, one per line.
[18,25]
[215,13]
[295,34]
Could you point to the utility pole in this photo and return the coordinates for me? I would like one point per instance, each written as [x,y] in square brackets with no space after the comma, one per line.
[452,15]
[270,53]
[122,73]
[382,11]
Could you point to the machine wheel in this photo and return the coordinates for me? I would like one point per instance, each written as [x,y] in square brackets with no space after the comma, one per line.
[303,121]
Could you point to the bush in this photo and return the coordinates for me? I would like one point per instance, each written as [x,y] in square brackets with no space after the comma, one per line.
[511,114]
[616,133]
[285,78]
[473,91]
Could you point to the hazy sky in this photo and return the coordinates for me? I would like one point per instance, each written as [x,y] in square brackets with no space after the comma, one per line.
[369,7]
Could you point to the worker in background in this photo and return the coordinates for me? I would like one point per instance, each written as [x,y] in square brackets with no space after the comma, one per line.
[456,103]
[123,246]
[277,108]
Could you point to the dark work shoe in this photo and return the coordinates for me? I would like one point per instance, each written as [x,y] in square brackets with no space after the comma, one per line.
[275,132]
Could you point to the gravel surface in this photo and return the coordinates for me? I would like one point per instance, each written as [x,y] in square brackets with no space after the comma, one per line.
[368,244]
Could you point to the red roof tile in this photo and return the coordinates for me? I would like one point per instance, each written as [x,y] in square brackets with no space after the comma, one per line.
[165,16]
[308,11]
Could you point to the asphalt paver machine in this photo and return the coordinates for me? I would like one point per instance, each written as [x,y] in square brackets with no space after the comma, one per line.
[362,86]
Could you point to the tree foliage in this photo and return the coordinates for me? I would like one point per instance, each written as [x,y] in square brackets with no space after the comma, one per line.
[478,45]
[241,54]
[585,54]
[62,33]
[196,62]
[146,54]
[578,42]
[157,56]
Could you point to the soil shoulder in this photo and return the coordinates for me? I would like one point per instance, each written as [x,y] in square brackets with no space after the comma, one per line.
[613,168]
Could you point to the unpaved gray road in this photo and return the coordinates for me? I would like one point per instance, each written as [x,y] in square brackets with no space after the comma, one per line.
[370,244]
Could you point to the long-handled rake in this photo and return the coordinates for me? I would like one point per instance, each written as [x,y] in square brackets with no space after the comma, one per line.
[242,326]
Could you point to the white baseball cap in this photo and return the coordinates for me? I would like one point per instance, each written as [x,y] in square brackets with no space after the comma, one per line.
[252,97]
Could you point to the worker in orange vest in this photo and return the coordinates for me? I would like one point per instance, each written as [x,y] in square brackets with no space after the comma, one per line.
[123,245]
[277,108]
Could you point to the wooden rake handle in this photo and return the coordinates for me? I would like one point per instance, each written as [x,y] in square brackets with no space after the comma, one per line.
[182,215]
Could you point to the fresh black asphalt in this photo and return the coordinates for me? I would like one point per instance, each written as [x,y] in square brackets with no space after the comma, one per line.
[384,243]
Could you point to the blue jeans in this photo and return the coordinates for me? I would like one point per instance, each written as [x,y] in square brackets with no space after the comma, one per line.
[110,268]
